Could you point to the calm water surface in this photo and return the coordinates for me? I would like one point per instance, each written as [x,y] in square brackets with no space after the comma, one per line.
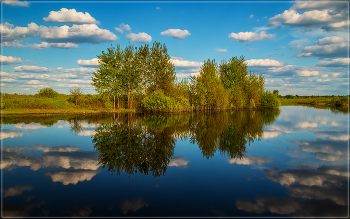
[292,162]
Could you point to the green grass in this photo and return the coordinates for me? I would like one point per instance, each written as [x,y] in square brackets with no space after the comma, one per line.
[62,104]
[340,103]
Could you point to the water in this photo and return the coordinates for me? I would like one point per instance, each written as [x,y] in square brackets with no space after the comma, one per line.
[292,162]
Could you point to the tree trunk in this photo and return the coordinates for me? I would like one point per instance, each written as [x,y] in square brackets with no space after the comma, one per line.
[114,102]
[128,100]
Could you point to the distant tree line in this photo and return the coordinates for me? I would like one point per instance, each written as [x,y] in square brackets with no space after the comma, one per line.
[146,79]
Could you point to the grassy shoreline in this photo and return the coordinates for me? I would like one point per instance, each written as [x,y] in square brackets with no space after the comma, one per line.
[63,111]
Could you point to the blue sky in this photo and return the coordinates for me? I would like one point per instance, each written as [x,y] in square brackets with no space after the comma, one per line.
[301,48]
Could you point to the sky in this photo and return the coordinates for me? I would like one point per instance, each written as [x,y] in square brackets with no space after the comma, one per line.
[300,47]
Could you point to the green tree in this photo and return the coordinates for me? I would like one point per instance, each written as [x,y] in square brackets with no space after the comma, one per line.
[207,87]
[77,94]
[47,92]
[131,76]
[161,73]
[276,93]
[108,78]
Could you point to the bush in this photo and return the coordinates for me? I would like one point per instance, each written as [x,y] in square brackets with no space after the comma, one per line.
[156,101]
[47,92]
[268,99]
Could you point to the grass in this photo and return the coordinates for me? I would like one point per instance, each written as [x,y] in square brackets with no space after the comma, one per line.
[339,103]
[63,104]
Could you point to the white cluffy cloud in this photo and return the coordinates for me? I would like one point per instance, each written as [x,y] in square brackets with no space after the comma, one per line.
[334,62]
[248,160]
[70,16]
[16,3]
[325,19]
[178,161]
[179,62]
[17,190]
[85,33]
[30,68]
[221,50]
[53,45]
[123,27]
[251,36]
[72,176]
[327,47]
[7,60]
[263,62]
[92,62]
[176,33]
[139,37]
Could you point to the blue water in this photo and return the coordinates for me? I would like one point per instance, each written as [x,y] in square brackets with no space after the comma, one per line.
[297,167]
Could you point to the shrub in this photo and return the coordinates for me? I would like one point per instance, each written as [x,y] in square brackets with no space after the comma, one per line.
[156,101]
[268,99]
[47,92]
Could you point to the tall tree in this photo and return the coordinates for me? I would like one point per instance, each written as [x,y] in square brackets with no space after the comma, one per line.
[162,73]
[77,93]
[233,75]
[108,78]
[131,76]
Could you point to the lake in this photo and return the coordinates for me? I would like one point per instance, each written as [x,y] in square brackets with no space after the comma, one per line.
[287,162]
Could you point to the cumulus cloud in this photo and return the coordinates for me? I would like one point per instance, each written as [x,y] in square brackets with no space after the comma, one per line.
[251,36]
[139,37]
[70,16]
[221,50]
[271,134]
[306,125]
[312,5]
[278,206]
[334,62]
[11,34]
[17,190]
[325,19]
[16,3]
[123,27]
[179,62]
[248,160]
[328,47]
[133,205]
[30,68]
[85,33]
[328,150]
[78,160]
[88,63]
[71,176]
[7,60]
[178,161]
[86,133]
[29,126]
[53,45]
[263,62]
[176,33]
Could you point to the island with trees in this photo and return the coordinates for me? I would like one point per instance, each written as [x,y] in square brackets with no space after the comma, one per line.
[143,79]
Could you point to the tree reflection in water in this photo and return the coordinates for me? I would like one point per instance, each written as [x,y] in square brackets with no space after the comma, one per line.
[142,144]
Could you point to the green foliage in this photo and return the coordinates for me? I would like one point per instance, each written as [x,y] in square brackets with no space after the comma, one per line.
[244,88]
[268,99]
[276,93]
[77,94]
[47,92]
[156,101]
[207,89]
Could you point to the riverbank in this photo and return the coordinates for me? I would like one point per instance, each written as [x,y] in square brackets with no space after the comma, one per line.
[333,103]
[64,111]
